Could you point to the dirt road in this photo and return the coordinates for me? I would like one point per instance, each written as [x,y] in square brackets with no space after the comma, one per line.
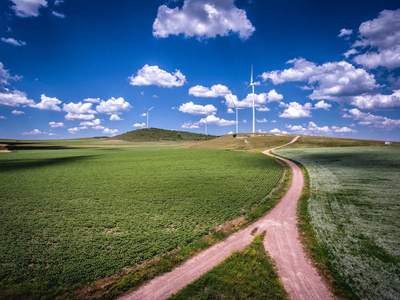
[281,241]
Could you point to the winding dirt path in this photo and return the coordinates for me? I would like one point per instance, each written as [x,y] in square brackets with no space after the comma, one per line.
[281,241]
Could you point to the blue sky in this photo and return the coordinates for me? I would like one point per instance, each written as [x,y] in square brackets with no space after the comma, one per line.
[71,69]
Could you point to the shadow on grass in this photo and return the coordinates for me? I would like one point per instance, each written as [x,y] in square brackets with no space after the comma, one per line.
[21,164]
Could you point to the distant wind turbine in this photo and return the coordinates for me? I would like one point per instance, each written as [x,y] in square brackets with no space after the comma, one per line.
[148,115]
[237,119]
[252,84]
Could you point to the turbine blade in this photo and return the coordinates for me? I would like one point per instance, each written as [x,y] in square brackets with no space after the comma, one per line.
[151,108]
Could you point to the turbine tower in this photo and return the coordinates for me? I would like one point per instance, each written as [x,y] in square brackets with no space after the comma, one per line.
[254,111]
[148,115]
[237,118]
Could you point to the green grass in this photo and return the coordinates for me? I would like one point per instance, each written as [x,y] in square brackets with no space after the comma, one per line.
[72,216]
[248,274]
[354,214]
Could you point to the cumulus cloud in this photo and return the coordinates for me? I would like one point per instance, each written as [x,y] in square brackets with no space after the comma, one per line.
[14,98]
[368,119]
[79,111]
[190,125]
[377,101]
[33,132]
[115,117]
[295,110]
[213,120]
[3,118]
[259,100]
[13,42]
[153,75]
[382,37]
[56,124]
[73,130]
[202,19]
[92,123]
[345,32]
[263,109]
[330,81]
[92,100]
[17,112]
[264,120]
[314,129]
[274,96]
[323,105]
[113,106]
[58,14]
[215,91]
[230,111]
[139,125]
[48,103]
[196,109]
[278,131]
[28,8]
[111,132]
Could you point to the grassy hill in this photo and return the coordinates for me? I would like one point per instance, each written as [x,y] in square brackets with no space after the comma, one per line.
[260,141]
[157,135]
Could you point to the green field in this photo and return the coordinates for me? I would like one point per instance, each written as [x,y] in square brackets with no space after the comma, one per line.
[354,212]
[69,216]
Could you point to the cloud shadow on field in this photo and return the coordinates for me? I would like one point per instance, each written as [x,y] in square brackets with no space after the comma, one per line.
[21,164]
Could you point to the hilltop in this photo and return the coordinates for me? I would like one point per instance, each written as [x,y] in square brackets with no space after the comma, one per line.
[160,135]
[260,141]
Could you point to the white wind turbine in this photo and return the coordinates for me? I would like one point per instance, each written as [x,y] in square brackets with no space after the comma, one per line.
[252,84]
[237,118]
[148,114]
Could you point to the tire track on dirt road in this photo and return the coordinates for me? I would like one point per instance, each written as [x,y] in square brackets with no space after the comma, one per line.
[282,243]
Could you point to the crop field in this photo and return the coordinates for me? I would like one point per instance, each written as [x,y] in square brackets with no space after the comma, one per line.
[355,213]
[69,216]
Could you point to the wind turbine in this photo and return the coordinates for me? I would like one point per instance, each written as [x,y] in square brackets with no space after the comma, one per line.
[237,120]
[252,84]
[148,115]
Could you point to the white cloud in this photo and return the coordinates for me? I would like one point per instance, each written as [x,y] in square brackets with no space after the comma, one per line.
[14,98]
[215,91]
[115,117]
[56,124]
[259,100]
[345,32]
[143,115]
[350,52]
[48,103]
[278,131]
[323,105]
[113,106]
[190,125]
[98,127]
[58,2]
[202,19]
[377,101]
[230,111]
[381,36]
[139,125]
[58,14]
[313,129]
[3,118]
[73,130]
[80,111]
[92,100]
[196,109]
[17,112]
[263,109]
[368,119]
[336,81]
[264,120]
[295,110]
[274,96]
[33,132]
[153,75]
[28,8]
[13,42]
[213,120]
[95,122]
[112,132]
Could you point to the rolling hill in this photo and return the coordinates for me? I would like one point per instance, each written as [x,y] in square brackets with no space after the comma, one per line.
[160,135]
